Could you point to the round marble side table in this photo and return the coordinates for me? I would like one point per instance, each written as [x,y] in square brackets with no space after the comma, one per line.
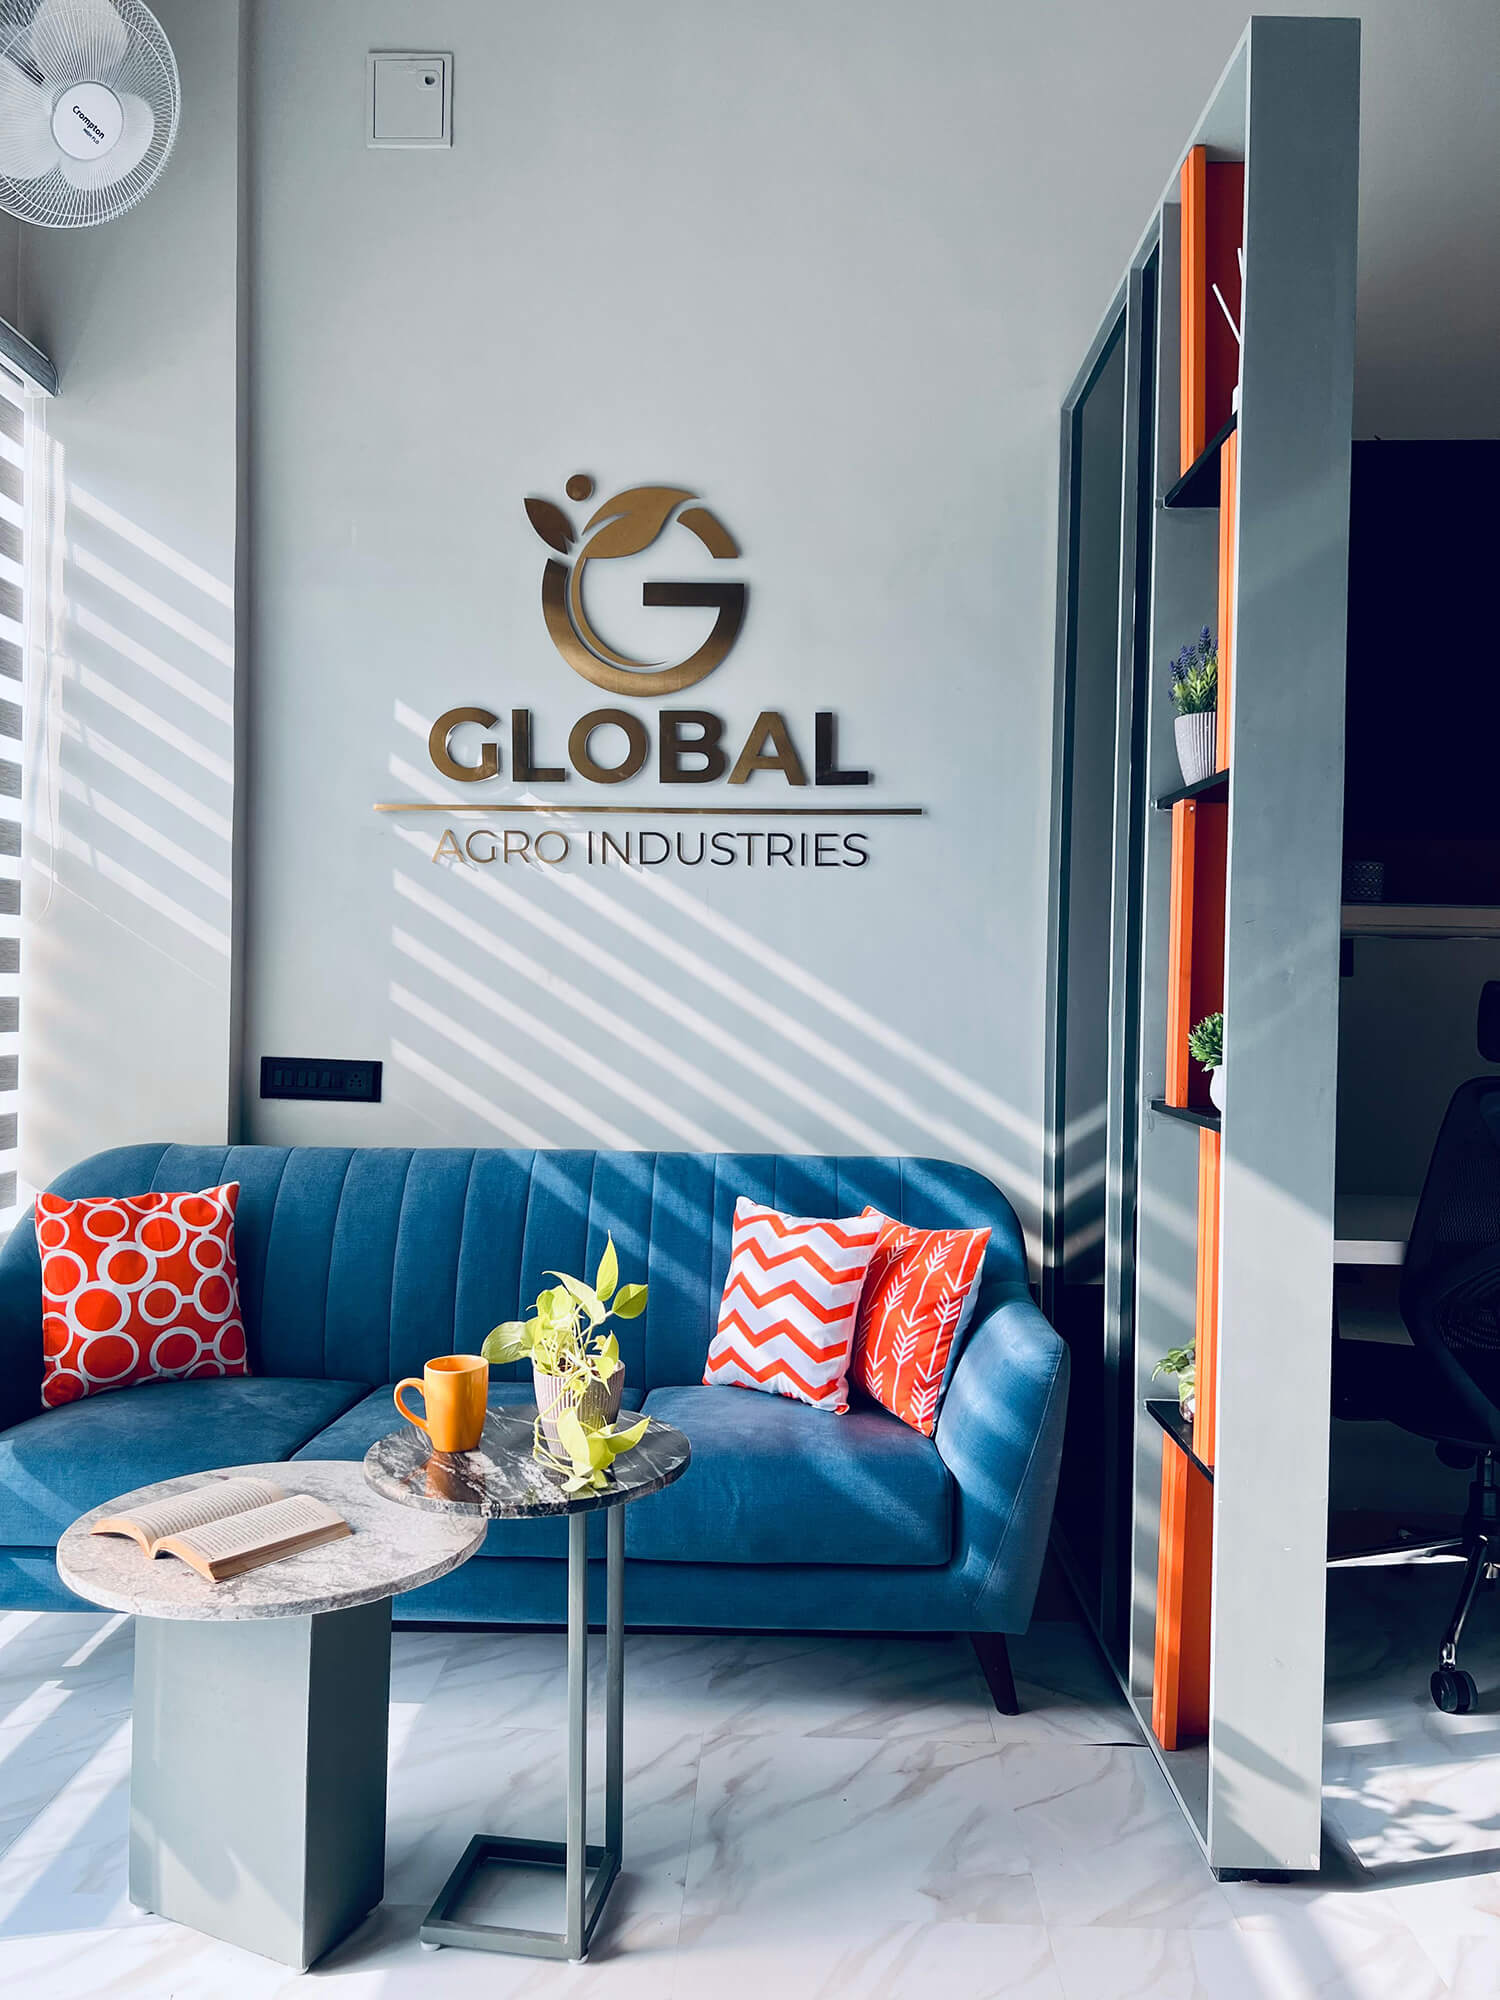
[258,1751]
[502,1480]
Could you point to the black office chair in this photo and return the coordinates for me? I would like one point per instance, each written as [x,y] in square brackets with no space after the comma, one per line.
[1447,1385]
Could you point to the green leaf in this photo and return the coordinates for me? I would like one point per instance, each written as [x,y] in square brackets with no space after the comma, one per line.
[608,1356]
[625,1440]
[586,1296]
[608,1274]
[630,1302]
[508,1341]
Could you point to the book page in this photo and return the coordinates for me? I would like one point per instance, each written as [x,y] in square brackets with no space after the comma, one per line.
[241,1534]
[181,1512]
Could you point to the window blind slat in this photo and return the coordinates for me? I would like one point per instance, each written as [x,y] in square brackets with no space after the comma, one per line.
[10,898]
[10,954]
[10,1014]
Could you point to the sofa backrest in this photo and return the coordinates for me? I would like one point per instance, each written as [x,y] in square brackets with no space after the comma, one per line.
[359,1263]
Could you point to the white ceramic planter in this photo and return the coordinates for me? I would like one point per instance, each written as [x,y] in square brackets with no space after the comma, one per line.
[1197,744]
[1216,1088]
[598,1405]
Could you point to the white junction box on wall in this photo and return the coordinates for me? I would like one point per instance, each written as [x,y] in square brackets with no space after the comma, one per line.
[409,99]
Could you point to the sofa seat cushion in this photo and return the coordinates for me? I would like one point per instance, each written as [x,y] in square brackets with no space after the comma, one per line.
[352,1434]
[772,1481]
[55,1466]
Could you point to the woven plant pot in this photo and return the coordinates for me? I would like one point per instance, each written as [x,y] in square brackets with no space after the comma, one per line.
[1197,744]
[598,1405]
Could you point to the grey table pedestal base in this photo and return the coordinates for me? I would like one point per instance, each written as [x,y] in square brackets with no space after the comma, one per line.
[258,1776]
[583,1899]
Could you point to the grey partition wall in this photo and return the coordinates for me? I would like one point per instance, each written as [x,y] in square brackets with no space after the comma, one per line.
[1249,1781]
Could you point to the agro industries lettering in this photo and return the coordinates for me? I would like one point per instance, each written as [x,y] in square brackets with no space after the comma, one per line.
[690,749]
[752,847]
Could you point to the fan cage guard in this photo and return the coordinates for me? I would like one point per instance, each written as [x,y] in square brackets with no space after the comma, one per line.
[148,68]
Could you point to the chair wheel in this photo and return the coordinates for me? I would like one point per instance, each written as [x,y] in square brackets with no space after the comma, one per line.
[1454,1692]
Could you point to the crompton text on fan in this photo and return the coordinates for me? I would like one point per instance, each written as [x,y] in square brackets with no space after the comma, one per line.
[88,108]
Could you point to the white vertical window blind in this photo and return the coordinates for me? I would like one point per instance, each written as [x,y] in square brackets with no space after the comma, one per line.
[12,670]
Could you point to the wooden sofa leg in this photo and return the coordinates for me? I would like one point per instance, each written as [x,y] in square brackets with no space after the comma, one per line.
[994,1663]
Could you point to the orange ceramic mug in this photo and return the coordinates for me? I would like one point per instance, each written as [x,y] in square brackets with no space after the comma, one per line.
[454,1388]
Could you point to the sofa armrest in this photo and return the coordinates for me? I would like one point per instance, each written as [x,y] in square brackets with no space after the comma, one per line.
[20,1325]
[1000,1434]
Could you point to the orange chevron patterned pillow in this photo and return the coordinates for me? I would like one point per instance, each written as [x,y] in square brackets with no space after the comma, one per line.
[786,1323]
[917,1301]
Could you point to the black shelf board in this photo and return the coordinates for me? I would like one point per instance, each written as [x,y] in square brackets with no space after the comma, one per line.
[1199,485]
[1214,787]
[1186,1113]
[1180,1431]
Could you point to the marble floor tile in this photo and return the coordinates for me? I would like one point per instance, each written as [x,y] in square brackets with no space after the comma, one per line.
[1066,1691]
[738,1684]
[55,1662]
[40,1759]
[789,1830]
[742,1957]
[447,1786]
[1099,1963]
[1106,1842]
[823,1819]
[1340,1948]
[1468,1964]
[747,1684]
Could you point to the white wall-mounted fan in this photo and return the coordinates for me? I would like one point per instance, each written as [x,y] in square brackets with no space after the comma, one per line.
[89,101]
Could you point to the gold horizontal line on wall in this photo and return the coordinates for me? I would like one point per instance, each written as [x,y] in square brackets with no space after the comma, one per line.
[498,807]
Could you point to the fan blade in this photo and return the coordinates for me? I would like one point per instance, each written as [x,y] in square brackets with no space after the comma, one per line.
[27,147]
[77,41]
[123,157]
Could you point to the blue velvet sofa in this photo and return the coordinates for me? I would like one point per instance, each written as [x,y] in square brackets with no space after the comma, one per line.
[356,1265]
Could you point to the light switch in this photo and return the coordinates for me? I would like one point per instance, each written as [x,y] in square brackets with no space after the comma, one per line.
[410,99]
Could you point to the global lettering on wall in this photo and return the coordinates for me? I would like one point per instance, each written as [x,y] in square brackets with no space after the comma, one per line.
[606,746]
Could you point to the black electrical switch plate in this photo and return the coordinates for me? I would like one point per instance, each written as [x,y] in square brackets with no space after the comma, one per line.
[334,1080]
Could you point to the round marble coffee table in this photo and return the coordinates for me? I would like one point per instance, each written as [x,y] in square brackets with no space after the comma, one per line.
[258,1753]
[502,1480]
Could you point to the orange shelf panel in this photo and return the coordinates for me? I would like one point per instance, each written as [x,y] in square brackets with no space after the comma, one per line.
[1229,463]
[1193,362]
[1213,206]
[1184,1602]
[1195,948]
[1206,1321]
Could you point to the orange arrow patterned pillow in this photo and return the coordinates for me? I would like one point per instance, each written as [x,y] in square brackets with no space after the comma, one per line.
[137,1287]
[917,1301]
[786,1323]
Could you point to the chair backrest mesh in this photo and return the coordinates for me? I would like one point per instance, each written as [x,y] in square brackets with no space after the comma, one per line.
[1450,1286]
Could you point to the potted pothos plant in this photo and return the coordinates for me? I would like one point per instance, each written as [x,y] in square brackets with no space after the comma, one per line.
[1206,1045]
[1195,697]
[1181,1363]
[576,1370]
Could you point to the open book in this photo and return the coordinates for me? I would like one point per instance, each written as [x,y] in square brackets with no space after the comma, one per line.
[228,1526]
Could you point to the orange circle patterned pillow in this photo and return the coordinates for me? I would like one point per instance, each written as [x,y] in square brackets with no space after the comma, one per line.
[136,1288]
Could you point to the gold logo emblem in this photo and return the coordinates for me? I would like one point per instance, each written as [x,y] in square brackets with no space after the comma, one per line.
[626,526]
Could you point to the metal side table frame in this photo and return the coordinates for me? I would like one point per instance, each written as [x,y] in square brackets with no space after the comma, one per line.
[503,1480]
[583,1899]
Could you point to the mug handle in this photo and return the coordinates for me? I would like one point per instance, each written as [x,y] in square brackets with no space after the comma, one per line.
[412,1382]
